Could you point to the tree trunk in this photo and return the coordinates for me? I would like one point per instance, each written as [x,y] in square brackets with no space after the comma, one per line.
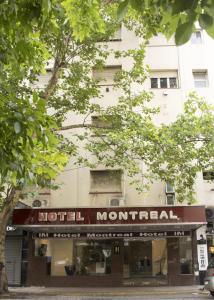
[3,276]
[9,203]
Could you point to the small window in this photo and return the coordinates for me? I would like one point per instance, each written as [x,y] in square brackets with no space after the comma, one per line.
[163,83]
[173,83]
[170,194]
[208,175]
[196,37]
[106,181]
[164,79]
[106,75]
[169,188]
[154,83]
[101,122]
[170,199]
[200,79]
[116,36]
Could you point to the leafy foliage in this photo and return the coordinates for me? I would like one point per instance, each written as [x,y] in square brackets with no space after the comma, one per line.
[158,16]
[67,33]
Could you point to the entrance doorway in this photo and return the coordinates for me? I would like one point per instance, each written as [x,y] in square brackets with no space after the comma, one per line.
[145,262]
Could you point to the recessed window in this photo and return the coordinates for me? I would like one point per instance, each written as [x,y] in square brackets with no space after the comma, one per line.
[170,194]
[170,199]
[200,79]
[196,37]
[173,82]
[154,83]
[116,36]
[163,83]
[106,76]
[164,79]
[208,175]
[106,181]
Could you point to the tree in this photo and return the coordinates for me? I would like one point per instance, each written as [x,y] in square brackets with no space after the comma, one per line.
[169,17]
[32,152]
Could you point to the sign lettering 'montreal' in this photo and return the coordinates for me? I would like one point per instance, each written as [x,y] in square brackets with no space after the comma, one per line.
[136,215]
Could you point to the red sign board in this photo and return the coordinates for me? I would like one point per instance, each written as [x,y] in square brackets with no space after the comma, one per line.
[110,215]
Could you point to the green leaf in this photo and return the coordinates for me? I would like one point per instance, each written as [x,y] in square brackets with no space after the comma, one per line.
[137,4]
[210,31]
[122,10]
[205,21]
[17,127]
[183,33]
[182,5]
[46,7]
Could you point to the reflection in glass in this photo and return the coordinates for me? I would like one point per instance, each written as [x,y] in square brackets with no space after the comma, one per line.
[93,257]
[185,250]
[145,258]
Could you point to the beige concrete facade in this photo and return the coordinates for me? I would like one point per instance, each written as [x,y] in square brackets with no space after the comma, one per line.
[164,59]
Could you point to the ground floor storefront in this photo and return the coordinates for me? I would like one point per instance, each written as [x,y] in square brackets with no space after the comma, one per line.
[123,247]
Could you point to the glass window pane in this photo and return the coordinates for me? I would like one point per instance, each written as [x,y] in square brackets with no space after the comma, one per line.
[208,175]
[163,83]
[170,199]
[93,257]
[185,250]
[154,83]
[145,258]
[196,37]
[173,82]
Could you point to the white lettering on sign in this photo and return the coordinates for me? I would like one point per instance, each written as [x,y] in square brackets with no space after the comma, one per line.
[163,215]
[136,215]
[123,215]
[113,215]
[101,216]
[143,215]
[60,216]
[154,215]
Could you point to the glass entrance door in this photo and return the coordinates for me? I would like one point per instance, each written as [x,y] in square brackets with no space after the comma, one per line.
[145,262]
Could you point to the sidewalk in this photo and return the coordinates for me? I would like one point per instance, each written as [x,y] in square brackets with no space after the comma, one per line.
[23,292]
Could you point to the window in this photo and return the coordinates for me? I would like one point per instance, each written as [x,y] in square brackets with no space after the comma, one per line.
[163,83]
[164,79]
[43,79]
[101,122]
[106,181]
[106,75]
[208,175]
[116,36]
[67,257]
[170,199]
[196,37]
[93,257]
[170,194]
[145,258]
[200,79]
[154,83]
[185,250]
[173,82]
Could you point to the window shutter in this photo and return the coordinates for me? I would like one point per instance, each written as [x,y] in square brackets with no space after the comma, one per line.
[106,75]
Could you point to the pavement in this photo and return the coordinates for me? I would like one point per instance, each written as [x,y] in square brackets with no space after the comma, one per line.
[131,292]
